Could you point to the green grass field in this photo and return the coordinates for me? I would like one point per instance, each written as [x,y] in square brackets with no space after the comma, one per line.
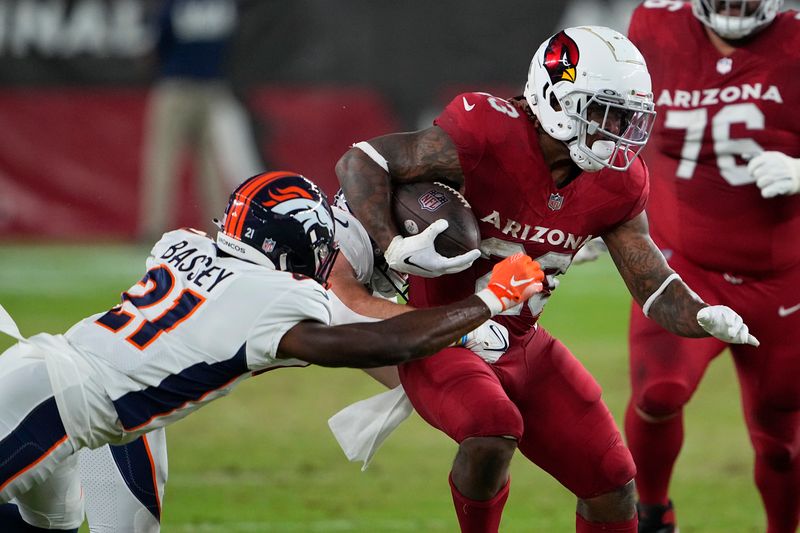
[262,460]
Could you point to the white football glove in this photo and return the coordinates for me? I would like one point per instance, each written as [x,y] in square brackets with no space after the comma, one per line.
[417,255]
[725,324]
[489,341]
[590,251]
[775,173]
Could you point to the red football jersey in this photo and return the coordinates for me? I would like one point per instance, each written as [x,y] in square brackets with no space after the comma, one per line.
[518,206]
[715,112]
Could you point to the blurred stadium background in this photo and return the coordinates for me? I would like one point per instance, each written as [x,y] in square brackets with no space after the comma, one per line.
[311,77]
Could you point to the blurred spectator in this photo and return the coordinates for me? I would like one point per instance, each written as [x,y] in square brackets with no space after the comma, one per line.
[190,100]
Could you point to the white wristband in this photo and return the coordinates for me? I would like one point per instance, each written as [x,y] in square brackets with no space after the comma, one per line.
[491,300]
[373,154]
[651,300]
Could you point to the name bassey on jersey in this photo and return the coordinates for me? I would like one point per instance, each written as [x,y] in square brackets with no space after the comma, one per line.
[197,263]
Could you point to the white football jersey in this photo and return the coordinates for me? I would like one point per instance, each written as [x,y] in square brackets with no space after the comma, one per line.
[191,329]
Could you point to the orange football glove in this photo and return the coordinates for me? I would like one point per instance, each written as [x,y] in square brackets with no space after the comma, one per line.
[513,280]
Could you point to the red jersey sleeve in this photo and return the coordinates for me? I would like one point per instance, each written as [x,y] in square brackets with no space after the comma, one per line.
[471,121]
[459,119]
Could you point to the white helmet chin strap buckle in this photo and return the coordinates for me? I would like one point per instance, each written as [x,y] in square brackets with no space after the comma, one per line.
[601,150]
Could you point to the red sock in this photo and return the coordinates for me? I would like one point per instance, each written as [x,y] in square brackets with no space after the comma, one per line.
[655,448]
[479,516]
[780,492]
[584,526]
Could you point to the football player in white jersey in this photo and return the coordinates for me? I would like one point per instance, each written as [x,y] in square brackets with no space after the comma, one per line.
[124,485]
[205,316]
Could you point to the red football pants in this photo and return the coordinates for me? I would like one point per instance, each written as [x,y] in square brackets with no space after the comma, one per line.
[539,394]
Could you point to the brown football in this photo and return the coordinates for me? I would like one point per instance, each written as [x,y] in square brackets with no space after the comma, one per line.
[417,205]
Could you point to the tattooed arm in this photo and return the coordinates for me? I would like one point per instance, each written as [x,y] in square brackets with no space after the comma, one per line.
[644,269]
[423,155]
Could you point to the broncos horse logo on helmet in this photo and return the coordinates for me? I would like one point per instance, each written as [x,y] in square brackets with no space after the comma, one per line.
[281,220]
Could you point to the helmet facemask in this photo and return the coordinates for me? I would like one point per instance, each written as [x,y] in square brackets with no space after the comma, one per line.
[735,19]
[610,128]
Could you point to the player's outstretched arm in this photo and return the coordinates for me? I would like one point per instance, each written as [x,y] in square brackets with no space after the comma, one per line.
[367,173]
[664,297]
[415,334]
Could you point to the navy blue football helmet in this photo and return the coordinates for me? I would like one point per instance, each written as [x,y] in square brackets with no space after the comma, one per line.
[282,220]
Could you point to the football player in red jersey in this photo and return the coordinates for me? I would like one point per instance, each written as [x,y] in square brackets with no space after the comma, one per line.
[544,173]
[724,210]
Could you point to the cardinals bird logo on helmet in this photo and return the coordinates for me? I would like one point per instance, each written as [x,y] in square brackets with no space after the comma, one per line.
[561,57]
[281,220]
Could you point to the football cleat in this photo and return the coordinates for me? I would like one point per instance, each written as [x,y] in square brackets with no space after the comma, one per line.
[656,518]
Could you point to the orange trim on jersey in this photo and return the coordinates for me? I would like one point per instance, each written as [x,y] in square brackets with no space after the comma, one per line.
[177,302]
[36,462]
[153,470]
[234,223]
[181,406]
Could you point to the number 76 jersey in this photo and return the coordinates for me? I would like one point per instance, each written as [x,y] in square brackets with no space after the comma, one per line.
[715,113]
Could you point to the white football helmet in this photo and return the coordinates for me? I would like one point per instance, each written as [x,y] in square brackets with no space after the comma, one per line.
[592,81]
[734,19]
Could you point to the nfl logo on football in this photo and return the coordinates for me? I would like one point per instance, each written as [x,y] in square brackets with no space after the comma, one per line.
[555,202]
[432,200]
